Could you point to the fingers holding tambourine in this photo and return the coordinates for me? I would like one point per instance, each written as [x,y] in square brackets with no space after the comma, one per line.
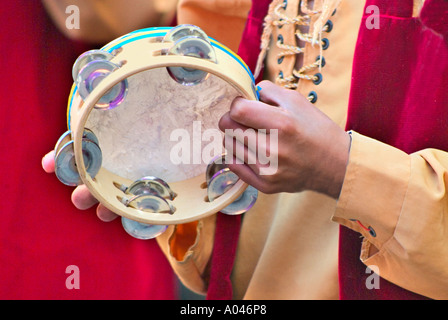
[246,164]
[105,214]
[48,162]
[81,198]
[297,146]
[249,137]
[269,111]
[254,114]
[242,152]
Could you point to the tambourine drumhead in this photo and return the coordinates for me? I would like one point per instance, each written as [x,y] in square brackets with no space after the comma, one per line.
[159,127]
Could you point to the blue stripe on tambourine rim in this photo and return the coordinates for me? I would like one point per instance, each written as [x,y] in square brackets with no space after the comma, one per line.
[157,32]
[161,32]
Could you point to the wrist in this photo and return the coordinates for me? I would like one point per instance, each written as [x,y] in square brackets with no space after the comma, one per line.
[331,171]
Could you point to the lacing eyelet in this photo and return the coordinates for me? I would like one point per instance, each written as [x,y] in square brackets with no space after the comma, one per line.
[328,27]
[323,62]
[325,43]
[280,39]
[318,79]
[369,229]
[279,19]
[312,97]
[280,25]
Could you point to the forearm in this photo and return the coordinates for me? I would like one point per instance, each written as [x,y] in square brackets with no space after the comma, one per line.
[101,21]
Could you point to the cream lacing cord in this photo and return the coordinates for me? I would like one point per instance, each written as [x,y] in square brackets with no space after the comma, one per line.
[277,18]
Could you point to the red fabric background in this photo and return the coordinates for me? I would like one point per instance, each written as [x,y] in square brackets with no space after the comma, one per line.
[399,96]
[41,233]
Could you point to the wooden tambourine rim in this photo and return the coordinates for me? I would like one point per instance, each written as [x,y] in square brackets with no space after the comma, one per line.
[191,202]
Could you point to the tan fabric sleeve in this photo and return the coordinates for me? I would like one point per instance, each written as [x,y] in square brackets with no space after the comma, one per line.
[102,21]
[403,199]
[188,248]
[228,17]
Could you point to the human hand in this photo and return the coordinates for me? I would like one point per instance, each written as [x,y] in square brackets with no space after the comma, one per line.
[311,151]
[81,196]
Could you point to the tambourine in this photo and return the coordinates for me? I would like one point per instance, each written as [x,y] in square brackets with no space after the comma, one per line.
[142,115]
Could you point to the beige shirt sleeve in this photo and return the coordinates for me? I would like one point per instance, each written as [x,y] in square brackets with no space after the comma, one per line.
[102,21]
[188,249]
[401,204]
[228,17]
